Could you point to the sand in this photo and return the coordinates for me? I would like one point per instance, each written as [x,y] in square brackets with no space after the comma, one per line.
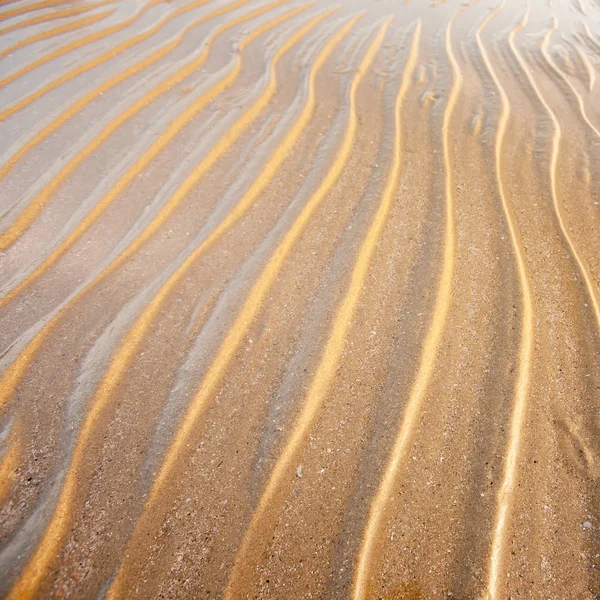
[300,300]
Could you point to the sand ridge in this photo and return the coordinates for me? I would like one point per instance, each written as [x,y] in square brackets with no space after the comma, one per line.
[299,299]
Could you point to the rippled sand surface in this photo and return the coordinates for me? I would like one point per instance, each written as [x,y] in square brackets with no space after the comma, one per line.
[300,300]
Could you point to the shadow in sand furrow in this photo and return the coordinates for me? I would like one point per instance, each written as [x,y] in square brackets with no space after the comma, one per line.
[56,31]
[429,351]
[16,229]
[554,159]
[68,49]
[16,371]
[142,162]
[44,554]
[59,14]
[13,12]
[522,382]
[247,315]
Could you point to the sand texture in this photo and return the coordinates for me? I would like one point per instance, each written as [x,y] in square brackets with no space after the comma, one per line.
[300,300]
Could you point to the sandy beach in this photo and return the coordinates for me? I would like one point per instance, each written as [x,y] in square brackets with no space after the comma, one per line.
[300,300]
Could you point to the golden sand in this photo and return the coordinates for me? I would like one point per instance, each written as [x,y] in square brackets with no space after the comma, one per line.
[300,299]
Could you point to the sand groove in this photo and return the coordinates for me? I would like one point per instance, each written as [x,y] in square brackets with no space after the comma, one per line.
[498,545]
[253,303]
[17,369]
[25,219]
[66,49]
[13,12]
[61,29]
[17,227]
[432,340]
[60,14]
[299,299]
[590,285]
[335,344]
[39,563]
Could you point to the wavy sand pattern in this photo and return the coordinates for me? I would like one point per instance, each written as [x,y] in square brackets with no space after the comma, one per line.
[300,299]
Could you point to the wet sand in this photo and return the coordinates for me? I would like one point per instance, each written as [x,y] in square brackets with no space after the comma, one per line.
[300,300]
